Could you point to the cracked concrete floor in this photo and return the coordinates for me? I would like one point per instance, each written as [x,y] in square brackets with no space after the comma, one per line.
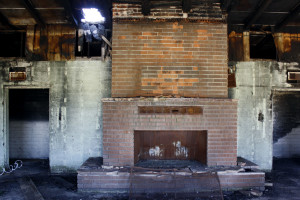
[285,178]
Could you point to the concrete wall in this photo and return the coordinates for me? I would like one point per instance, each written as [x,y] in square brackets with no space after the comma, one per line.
[76,89]
[256,81]
[28,139]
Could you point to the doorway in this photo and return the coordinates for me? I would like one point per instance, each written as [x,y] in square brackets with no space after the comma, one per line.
[28,124]
[286,124]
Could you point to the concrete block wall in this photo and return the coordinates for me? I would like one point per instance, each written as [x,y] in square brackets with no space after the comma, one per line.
[76,89]
[256,81]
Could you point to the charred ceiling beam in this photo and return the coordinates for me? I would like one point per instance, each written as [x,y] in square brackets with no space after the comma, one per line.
[127,1]
[153,3]
[260,8]
[292,14]
[146,7]
[167,4]
[70,12]
[226,5]
[186,5]
[34,13]
[5,22]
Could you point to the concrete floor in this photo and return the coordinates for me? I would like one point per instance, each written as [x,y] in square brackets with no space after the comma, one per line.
[285,178]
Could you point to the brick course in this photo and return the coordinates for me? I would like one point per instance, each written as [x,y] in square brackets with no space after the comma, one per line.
[121,117]
[207,11]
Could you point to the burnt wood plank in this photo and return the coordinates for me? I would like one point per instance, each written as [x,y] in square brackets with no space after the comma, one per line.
[57,43]
[65,54]
[29,39]
[71,42]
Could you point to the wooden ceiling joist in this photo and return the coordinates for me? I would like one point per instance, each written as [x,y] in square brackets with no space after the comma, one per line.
[261,7]
[186,5]
[34,13]
[70,13]
[226,5]
[292,14]
[5,22]
[146,7]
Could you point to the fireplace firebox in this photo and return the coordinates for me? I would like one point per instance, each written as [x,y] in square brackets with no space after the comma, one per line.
[170,145]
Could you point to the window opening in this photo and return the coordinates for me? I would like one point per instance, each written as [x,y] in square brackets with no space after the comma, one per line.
[262,46]
[12,44]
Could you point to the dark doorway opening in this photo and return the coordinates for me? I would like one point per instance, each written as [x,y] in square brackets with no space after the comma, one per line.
[286,124]
[28,124]
[262,46]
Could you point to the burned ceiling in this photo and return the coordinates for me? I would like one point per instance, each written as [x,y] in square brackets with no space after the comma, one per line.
[17,14]
[261,15]
[264,15]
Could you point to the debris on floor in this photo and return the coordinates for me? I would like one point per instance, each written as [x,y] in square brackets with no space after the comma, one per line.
[282,183]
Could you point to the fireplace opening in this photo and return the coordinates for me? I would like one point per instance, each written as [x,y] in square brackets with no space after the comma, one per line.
[169,149]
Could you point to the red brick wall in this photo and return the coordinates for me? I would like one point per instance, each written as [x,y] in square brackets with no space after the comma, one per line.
[121,118]
[180,59]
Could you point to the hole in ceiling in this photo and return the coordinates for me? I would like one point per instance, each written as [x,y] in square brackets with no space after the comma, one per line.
[92,15]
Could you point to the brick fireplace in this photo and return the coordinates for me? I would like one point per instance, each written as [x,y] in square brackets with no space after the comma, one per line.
[164,55]
[122,120]
[169,100]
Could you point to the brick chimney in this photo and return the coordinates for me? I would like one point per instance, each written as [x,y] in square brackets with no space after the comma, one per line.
[177,62]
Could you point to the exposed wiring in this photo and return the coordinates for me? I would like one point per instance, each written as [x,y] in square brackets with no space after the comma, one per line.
[16,165]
